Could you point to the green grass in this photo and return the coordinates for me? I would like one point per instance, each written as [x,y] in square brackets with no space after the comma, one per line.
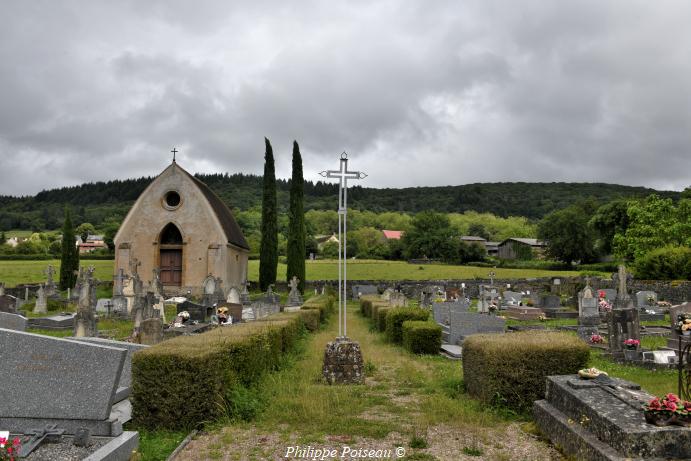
[17,272]
[157,445]
[399,270]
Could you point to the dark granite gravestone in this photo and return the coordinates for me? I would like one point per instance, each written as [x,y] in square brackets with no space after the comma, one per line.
[550,302]
[58,381]
[360,290]
[197,311]
[463,324]
[8,304]
[12,321]
[604,421]
[126,376]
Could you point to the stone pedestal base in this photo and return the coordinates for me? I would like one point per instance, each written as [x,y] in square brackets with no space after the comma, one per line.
[343,362]
[292,308]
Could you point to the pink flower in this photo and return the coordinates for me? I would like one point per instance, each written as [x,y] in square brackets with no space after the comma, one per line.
[671,406]
[687,405]
[3,441]
[654,404]
[672,398]
[16,441]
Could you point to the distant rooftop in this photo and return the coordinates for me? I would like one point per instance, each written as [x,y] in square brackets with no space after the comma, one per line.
[392,234]
[527,241]
[472,238]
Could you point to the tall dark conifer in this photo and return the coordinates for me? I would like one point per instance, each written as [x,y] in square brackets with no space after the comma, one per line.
[69,260]
[268,249]
[296,223]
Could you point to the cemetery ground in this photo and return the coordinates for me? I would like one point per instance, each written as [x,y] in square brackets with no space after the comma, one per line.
[410,401]
[15,272]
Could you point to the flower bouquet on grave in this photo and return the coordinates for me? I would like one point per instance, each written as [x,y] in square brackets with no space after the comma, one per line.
[667,410]
[650,300]
[9,451]
[604,306]
[541,318]
[181,318]
[591,373]
[597,339]
[683,325]
[632,344]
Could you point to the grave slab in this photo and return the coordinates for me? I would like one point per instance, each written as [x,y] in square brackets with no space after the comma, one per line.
[58,381]
[13,321]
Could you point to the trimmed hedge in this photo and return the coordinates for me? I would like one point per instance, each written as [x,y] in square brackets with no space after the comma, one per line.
[189,380]
[325,304]
[375,308]
[421,337]
[395,318]
[366,304]
[511,369]
[381,318]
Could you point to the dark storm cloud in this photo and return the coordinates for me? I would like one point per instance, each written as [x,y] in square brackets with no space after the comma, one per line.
[418,93]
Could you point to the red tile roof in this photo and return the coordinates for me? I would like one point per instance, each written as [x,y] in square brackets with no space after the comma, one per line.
[392,234]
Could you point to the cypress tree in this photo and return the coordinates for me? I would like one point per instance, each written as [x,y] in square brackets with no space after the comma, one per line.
[296,223]
[268,248]
[69,260]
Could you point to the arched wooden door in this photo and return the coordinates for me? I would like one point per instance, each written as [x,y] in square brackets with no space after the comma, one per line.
[171,255]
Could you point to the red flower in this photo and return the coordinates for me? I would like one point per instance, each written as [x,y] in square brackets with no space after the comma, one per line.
[672,398]
[601,294]
[671,406]
[654,404]
[3,441]
[16,441]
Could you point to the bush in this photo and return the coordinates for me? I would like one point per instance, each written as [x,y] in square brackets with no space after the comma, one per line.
[325,304]
[366,304]
[189,380]
[375,308]
[380,321]
[511,369]
[395,318]
[421,337]
[665,263]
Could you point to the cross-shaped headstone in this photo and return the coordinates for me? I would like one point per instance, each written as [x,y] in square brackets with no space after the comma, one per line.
[492,274]
[343,176]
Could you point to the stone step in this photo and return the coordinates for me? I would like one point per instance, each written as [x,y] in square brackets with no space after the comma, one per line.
[572,438]
[613,421]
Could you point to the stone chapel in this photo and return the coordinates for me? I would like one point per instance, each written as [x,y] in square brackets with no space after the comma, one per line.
[184,229]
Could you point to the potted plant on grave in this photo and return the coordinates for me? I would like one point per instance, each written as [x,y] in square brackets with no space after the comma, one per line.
[683,325]
[667,410]
[9,451]
[597,339]
[631,349]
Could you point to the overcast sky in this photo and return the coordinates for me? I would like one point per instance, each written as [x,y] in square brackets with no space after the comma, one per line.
[418,93]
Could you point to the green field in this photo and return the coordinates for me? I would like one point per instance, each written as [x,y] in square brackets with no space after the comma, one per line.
[17,272]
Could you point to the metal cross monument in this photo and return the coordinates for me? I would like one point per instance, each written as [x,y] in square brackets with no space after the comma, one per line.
[343,176]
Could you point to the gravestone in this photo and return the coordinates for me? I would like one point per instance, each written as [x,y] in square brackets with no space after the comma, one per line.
[119,299]
[463,324]
[233,296]
[673,340]
[294,297]
[550,301]
[602,419]
[245,294]
[609,294]
[361,290]
[397,299]
[50,288]
[104,306]
[151,331]
[386,295]
[209,290]
[512,298]
[642,299]
[53,322]
[488,296]
[13,321]
[623,320]
[125,383]
[443,311]
[85,319]
[197,312]
[270,298]
[219,296]
[58,381]
[41,306]
[588,314]
[234,311]
[8,303]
